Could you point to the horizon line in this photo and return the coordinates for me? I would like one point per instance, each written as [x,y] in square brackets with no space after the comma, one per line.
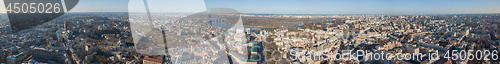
[291,13]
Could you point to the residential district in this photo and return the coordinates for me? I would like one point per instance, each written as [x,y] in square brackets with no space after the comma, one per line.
[133,38]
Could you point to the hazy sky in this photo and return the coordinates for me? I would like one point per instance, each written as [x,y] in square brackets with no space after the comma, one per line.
[360,6]
[296,6]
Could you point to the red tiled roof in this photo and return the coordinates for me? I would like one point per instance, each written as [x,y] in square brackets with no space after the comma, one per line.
[153,59]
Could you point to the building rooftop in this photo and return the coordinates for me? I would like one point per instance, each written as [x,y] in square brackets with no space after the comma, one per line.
[147,58]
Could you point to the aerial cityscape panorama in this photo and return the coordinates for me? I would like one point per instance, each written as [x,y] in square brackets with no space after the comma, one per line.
[249,32]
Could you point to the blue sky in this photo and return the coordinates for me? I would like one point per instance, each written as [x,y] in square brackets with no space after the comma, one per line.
[359,6]
[297,6]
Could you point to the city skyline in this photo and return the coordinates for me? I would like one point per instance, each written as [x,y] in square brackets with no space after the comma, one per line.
[110,32]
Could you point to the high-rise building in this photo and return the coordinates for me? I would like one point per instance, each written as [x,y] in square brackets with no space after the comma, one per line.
[59,35]
[382,17]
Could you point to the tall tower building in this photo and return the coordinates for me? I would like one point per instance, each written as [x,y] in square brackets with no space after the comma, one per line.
[382,17]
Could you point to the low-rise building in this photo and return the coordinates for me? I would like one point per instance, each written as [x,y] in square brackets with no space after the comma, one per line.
[151,60]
